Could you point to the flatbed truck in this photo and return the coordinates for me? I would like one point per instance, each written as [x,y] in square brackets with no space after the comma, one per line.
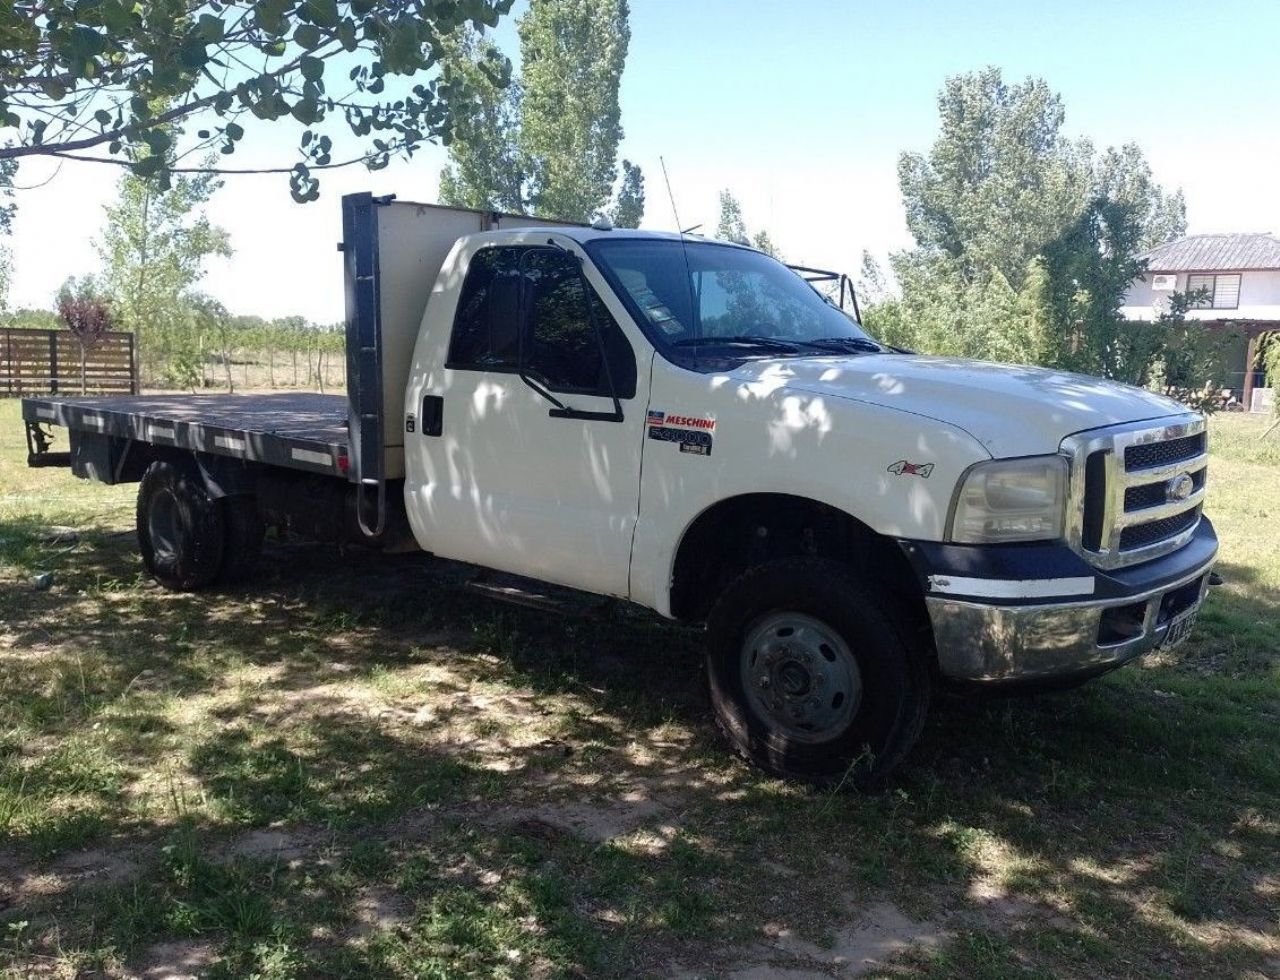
[688,425]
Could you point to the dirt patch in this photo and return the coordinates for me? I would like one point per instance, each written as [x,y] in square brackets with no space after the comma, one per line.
[997,908]
[20,883]
[378,909]
[96,863]
[880,933]
[765,972]
[182,959]
[270,843]
[597,821]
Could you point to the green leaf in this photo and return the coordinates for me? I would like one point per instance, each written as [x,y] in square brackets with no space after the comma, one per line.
[103,117]
[234,131]
[147,166]
[158,140]
[312,68]
[322,12]
[210,28]
[306,111]
[270,15]
[192,53]
[308,36]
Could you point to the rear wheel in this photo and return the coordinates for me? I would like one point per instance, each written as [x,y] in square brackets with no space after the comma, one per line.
[242,546]
[812,677]
[180,527]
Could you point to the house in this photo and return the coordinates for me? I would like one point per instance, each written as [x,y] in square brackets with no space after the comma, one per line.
[1237,279]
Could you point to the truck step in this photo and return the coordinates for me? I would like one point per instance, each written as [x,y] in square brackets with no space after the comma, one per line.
[538,595]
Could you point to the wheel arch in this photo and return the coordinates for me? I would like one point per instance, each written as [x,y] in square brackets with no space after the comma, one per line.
[739,532]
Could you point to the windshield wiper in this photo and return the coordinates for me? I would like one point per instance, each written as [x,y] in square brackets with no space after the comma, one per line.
[862,345]
[764,343]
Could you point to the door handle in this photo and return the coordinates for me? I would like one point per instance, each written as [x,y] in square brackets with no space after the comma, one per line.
[432,415]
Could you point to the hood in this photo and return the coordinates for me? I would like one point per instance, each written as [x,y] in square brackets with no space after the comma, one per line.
[1012,410]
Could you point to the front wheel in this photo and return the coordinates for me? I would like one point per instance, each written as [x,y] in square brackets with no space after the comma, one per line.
[813,678]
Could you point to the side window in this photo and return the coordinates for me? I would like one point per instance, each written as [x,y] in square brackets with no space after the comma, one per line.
[563,349]
[486,327]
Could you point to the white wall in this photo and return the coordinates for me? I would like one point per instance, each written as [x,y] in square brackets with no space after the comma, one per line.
[1259,299]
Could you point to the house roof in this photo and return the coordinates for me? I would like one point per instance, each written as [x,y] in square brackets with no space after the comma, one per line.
[1215,253]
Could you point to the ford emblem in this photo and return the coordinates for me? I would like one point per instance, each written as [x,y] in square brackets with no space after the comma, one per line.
[1179,488]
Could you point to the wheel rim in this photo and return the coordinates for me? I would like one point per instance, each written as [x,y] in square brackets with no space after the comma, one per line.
[164,525]
[801,676]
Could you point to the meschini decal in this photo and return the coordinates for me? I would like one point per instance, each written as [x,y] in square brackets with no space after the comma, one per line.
[682,421]
[903,468]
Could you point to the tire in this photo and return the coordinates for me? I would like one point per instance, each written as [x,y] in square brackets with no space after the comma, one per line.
[242,540]
[180,527]
[813,677]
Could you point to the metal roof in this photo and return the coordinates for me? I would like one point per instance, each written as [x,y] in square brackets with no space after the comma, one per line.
[1215,253]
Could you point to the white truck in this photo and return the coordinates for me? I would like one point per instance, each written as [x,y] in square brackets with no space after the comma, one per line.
[690,426]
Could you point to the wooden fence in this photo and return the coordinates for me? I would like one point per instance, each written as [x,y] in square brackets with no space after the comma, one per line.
[47,362]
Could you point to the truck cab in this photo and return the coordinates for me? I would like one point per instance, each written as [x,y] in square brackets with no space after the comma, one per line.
[690,426]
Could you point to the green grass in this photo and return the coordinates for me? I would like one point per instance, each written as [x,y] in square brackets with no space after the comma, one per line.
[355,768]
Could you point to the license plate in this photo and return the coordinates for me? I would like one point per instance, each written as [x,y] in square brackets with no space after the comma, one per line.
[1179,630]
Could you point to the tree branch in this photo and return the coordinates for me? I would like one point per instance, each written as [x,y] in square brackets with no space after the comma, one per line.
[391,149]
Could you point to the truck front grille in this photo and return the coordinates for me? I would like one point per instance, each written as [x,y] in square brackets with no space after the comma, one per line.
[1142,535]
[1136,490]
[1146,455]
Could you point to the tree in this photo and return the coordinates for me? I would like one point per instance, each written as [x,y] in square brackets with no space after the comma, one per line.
[485,168]
[87,314]
[6,278]
[547,143]
[108,80]
[999,181]
[210,319]
[7,169]
[733,228]
[29,319]
[628,207]
[154,245]
[1026,241]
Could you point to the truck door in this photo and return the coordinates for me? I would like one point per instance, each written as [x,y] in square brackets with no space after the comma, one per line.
[534,467]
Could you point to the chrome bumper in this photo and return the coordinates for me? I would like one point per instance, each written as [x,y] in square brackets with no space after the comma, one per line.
[991,644]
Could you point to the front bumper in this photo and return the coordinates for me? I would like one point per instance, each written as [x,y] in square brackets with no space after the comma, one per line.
[1027,639]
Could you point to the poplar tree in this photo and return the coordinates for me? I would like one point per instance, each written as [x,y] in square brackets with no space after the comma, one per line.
[546,142]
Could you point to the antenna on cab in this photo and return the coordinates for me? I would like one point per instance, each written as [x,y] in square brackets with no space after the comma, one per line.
[695,325]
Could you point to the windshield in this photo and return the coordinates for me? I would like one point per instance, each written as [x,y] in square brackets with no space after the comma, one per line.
[720,296]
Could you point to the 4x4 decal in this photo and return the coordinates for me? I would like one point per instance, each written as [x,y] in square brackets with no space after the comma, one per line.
[903,468]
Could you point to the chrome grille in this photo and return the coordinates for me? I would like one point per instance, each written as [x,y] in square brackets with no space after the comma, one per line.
[1145,455]
[1153,494]
[1129,499]
[1141,535]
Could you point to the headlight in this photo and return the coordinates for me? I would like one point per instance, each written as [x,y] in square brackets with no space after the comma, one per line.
[1011,500]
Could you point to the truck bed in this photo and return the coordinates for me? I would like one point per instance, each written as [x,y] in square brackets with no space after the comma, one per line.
[298,430]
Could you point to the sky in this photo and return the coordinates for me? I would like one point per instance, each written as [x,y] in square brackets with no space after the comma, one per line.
[801,109]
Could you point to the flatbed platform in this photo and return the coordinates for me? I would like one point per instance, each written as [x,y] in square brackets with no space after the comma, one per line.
[298,430]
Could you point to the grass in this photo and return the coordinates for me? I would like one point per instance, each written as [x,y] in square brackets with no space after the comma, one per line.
[277,781]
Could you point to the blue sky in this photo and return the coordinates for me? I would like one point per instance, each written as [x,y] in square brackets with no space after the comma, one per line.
[802,110]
